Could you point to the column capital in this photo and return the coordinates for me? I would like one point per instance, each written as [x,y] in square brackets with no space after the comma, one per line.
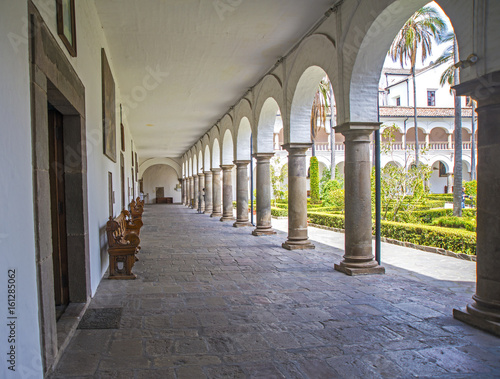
[201,174]
[300,147]
[226,167]
[358,131]
[485,89]
[263,156]
[241,162]
[216,169]
[208,172]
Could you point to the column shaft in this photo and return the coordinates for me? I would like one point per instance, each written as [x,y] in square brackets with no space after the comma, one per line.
[358,258]
[227,193]
[191,192]
[484,311]
[263,195]
[241,194]
[217,193]
[297,197]
[201,192]
[195,190]
[208,192]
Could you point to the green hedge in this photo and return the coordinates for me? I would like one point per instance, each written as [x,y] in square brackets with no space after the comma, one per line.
[326,219]
[456,222]
[456,240]
[279,212]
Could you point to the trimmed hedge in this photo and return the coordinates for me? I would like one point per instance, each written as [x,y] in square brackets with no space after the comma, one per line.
[327,219]
[456,240]
[279,212]
[456,222]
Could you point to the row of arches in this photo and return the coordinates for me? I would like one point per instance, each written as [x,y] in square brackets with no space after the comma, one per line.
[352,56]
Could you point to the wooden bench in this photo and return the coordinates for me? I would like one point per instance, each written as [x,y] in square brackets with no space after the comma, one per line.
[123,245]
[136,208]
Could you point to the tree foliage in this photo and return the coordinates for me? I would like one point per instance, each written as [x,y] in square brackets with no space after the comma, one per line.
[279,179]
[314,180]
[401,188]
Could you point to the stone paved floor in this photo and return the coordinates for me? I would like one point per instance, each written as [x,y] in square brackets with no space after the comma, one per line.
[213,301]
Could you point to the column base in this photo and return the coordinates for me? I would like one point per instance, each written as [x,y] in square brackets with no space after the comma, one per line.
[240,224]
[353,271]
[302,245]
[208,211]
[263,232]
[218,214]
[477,321]
[223,219]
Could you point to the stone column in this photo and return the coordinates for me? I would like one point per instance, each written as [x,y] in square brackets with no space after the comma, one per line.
[208,192]
[201,186]
[297,197]
[183,190]
[484,311]
[242,194]
[187,195]
[358,258]
[227,193]
[449,182]
[217,193]
[195,190]
[263,195]
[191,191]
[450,142]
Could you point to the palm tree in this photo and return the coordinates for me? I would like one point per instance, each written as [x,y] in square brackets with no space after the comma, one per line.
[419,31]
[452,76]
[319,110]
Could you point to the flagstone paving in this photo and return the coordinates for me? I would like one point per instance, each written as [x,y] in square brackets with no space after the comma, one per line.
[213,301]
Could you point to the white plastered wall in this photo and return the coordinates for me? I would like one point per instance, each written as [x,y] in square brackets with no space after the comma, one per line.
[87,64]
[161,175]
[17,242]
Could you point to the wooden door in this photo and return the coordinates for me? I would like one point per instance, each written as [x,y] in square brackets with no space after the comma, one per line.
[58,208]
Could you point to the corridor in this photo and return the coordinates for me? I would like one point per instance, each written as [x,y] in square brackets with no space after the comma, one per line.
[213,301]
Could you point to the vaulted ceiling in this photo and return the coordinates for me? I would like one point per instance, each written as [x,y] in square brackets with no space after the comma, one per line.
[180,64]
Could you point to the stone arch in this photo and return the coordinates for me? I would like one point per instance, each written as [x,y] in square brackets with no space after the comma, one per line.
[264,142]
[195,164]
[439,134]
[216,154]
[242,150]
[167,161]
[269,89]
[206,163]
[410,135]
[227,148]
[300,112]
[242,110]
[161,175]
[313,60]
[200,161]
[394,163]
[190,167]
[365,48]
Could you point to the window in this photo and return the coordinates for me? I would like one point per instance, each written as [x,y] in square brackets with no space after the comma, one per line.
[398,101]
[431,98]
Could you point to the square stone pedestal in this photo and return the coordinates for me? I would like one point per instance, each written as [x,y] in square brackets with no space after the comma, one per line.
[301,246]
[477,322]
[351,271]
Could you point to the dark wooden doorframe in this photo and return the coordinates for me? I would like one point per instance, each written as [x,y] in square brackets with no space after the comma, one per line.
[58,207]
